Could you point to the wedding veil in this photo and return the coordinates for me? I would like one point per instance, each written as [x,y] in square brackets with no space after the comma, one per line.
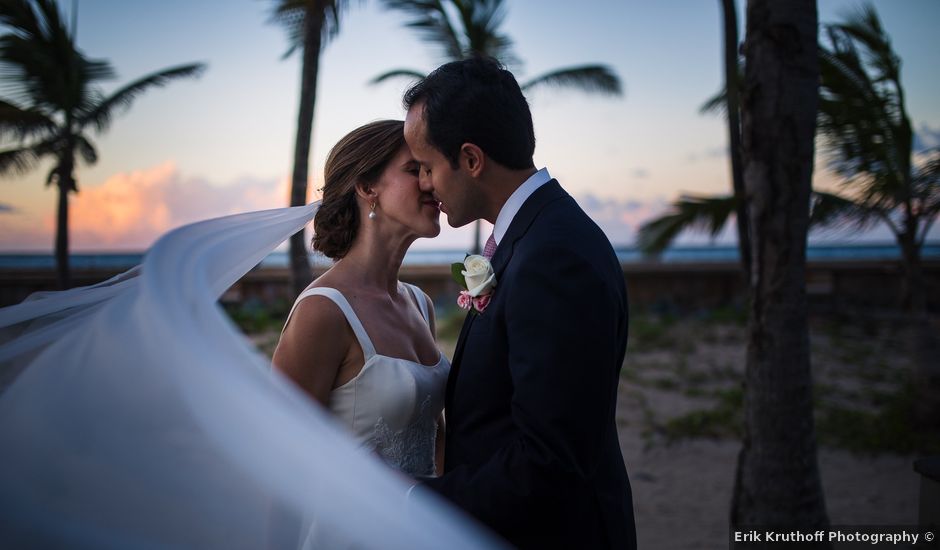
[133,413]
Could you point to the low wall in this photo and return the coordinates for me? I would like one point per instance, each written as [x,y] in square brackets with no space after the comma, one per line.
[830,285]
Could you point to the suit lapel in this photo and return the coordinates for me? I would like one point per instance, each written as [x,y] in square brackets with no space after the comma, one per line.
[520,224]
[542,196]
[458,353]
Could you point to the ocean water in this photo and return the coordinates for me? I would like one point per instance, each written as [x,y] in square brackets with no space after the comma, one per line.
[828,252]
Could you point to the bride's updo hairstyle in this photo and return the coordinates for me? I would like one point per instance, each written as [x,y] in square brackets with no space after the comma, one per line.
[360,157]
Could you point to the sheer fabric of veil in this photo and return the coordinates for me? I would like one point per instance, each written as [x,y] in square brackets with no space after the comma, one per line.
[133,413]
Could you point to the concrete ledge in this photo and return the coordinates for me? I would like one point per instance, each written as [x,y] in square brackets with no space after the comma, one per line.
[830,284]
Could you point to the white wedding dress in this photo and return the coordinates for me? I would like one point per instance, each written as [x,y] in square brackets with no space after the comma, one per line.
[134,414]
[392,405]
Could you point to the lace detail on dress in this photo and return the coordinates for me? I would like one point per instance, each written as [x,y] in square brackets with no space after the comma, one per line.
[410,449]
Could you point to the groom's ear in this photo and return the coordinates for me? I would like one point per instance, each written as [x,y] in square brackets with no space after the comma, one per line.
[472,159]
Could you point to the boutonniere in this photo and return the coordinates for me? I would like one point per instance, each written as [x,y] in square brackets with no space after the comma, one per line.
[475,275]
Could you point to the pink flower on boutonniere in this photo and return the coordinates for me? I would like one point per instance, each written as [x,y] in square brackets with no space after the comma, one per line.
[480,302]
[464,300]
[475,275]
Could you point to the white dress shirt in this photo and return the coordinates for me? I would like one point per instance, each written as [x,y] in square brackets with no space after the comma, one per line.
[516,200]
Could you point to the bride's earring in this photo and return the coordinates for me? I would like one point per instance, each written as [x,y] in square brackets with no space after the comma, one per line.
[372,213]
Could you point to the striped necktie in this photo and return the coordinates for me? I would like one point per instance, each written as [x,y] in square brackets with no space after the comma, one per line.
[490,248]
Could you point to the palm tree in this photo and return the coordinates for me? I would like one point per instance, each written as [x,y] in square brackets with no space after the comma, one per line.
[864,127]
[867,134]
[466,28]
[777,479]
[309,25]
[866,130]
[52,100]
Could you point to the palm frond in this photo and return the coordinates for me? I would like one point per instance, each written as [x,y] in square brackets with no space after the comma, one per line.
[410,74]
[20,123]
[39,63]
[598,79]
[859,121]
[332,19]
[930,211]
[86,149]
[430,19]
[21,160]
[695,213]
[101,114]
[926,190]
[864,27]
[718,103]
[17,161]
[929,220]
[926,177]
[291,16]
[32,19]
[480,21]
[828,210]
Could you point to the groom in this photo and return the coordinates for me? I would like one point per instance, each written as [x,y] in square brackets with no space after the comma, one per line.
[532,448]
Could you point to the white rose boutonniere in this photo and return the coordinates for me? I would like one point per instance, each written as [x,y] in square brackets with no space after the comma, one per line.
[476,276]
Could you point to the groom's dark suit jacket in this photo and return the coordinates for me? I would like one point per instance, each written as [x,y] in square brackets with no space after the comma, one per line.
[532,448]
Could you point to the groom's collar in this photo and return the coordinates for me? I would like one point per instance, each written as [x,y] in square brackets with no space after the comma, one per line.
[515,202]
[545,194]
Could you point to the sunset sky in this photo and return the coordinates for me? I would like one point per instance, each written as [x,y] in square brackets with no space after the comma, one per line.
[223,143]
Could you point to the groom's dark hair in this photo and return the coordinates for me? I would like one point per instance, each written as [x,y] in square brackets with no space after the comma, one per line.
[476,101]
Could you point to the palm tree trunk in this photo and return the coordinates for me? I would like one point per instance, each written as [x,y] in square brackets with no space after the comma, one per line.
[926,405]
[62,235]
[913,284]
[65,181]
[301,274]
[734,131]
[777,481]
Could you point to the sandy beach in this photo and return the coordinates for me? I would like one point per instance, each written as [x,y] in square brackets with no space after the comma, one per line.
[682,493]
[679,419]
[682,482]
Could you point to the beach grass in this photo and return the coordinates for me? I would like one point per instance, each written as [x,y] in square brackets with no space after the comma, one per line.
[683,375]
[862,370]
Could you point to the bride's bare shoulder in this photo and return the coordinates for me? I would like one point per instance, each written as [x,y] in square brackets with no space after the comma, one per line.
[314,344]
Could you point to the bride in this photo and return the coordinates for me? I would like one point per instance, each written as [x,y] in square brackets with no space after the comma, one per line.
[134,413]
[358,340]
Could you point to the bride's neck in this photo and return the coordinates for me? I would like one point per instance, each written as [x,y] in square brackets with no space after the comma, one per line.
[374,261]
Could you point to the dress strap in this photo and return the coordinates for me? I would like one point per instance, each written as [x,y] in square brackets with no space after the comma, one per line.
[368,350]
[421,300]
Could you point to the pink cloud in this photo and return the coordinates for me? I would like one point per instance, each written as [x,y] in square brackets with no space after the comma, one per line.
[18,234]
[620,219]
[130,210]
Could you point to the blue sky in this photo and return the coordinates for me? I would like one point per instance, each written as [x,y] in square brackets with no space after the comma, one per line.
[223,143]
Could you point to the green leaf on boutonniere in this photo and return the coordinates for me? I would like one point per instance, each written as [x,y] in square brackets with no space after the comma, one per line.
[456,270]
